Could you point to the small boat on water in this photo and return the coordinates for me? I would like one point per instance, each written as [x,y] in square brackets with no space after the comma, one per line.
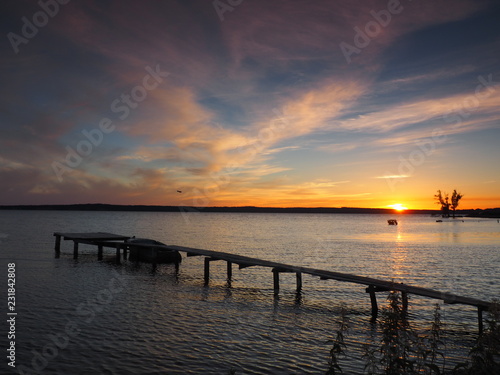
[392,222]
[143,253]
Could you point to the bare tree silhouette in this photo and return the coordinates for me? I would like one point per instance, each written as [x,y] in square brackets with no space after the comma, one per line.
[443,200]
[455,199]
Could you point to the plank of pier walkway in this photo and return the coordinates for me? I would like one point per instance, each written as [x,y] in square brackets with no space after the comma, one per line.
[78,237]
[103,236]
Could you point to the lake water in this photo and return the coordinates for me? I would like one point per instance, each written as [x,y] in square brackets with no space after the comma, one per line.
[126,319]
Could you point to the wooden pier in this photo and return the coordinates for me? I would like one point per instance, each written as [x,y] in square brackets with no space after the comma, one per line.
[373,286]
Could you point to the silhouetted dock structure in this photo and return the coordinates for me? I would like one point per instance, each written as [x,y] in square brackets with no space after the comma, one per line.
[119,243]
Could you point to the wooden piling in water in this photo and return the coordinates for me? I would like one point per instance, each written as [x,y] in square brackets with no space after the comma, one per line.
[57,247]
[118,261]
[99,252]
[276,280]
[206,274]
[155,257]
[298,276]
[229,271]
[404,298]
[480,319]
[75,249]
[276,277]
[373,301]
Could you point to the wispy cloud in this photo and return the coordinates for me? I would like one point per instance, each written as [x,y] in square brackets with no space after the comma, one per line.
[393,176]
[395,117]
[338,147]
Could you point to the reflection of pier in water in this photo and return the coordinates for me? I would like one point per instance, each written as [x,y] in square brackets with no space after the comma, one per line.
[119,243]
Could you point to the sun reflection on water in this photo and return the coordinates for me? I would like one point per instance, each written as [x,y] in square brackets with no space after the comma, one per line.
[399,255]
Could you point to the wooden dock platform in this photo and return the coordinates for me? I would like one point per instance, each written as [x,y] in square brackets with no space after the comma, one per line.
[373,285]
[88,238]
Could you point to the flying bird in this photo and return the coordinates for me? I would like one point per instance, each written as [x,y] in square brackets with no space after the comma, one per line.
[179,191]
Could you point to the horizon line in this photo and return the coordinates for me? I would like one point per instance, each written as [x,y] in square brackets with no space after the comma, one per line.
[201,208]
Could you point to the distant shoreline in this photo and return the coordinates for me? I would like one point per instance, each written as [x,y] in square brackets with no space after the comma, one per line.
[489,213]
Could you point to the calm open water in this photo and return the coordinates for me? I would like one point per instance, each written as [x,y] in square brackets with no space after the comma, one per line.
[92,317]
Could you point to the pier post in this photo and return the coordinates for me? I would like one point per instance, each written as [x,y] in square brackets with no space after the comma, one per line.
[58,245]
[75,249]
[229,271]
[480,319]
[299,281]
[207,271]
[118,254]
[373,300]
[276,280]
[154,251]
[99,252]
[404,297]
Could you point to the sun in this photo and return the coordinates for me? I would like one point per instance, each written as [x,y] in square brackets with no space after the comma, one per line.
[398,207]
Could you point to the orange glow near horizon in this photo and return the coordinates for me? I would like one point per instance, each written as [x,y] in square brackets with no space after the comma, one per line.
[398,207]
[286,199]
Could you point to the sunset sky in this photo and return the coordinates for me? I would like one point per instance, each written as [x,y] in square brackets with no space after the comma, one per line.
[250,102]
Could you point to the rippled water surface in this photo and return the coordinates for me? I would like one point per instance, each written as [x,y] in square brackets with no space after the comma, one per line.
[126,319]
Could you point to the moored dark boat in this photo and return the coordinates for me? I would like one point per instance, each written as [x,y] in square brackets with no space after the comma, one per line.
[144,253]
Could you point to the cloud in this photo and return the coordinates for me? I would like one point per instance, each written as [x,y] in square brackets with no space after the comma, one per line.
[440,111]
[338,147]
[390,177]
[278,191]
[309,111]
[182,131]
[422,79]
[141,186]
[257,32]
